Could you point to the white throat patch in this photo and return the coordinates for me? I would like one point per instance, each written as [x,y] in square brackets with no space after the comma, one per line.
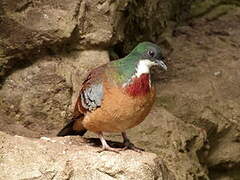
[143,67]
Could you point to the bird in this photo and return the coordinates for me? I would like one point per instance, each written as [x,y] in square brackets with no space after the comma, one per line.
[117,96]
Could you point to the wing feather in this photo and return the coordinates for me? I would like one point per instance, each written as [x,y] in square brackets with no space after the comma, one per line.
[91,92]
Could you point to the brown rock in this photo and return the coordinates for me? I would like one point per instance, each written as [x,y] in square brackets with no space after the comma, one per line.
[71,158]
[197,96]
[174,141]
[38,97]
[29,28]
[31,24]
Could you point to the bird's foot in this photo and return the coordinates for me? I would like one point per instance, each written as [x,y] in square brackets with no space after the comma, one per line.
[129,145]
[108,148]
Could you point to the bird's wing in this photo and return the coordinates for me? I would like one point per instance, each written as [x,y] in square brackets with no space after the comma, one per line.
[91,92]
[89,99]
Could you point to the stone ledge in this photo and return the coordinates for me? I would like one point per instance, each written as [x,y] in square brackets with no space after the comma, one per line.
[72,158]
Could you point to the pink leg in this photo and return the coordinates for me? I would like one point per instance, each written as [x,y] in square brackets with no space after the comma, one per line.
[105,146]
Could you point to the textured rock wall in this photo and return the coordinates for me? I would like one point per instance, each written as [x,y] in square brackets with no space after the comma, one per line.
[46,49]
[30,27]
[203,87]
[40,96]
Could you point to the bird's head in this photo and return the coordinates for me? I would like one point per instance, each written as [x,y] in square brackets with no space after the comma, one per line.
[149,54]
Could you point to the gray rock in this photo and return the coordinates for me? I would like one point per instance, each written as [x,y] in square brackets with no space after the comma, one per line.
[30,27]
[209,102]
[41,97]
[71,158]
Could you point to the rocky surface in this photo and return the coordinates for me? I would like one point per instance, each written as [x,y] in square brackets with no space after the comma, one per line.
[47,48]
[200,95]
[71,158]
[174,141]
[39,97]
[34,28]
[202,88]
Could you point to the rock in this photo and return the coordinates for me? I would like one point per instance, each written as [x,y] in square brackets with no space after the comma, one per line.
[224,155]
[174,141]
[41,97]
[29,28]
[210,102]
[47,47]
[147,20]
[72,158]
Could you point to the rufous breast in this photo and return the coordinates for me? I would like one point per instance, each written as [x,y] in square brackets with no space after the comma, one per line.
[122,108]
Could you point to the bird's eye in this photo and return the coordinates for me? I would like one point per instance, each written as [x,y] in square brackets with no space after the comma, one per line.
[151,53]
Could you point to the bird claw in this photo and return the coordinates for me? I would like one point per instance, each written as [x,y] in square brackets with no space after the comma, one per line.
[129,145]
[109,149]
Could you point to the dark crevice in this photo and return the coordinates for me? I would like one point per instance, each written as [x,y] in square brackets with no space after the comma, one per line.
[225,169]
[107,173]
[24,6]
[117,51]
[220,171]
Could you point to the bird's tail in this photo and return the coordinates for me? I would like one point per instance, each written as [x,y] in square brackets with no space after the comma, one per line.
[68,130]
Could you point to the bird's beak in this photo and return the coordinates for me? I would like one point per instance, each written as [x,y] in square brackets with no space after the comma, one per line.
[161,64]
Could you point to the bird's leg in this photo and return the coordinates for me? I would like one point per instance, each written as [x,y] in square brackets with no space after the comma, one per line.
[128,145]
[105,146]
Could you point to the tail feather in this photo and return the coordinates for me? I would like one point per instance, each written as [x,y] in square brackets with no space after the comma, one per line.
[68,130]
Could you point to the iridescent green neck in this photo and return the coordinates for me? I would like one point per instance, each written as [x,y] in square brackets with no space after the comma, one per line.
[125,68]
